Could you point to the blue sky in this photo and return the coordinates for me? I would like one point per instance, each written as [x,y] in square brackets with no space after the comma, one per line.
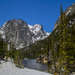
[43,12]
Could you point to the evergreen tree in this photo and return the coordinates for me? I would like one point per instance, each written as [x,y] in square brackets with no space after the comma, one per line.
[3,48]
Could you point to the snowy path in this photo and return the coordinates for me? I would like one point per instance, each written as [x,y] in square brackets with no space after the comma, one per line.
[9,68]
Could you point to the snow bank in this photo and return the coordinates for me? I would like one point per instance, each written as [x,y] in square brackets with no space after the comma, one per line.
[9,68]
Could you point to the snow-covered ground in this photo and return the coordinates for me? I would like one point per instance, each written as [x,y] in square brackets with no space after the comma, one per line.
[8,68]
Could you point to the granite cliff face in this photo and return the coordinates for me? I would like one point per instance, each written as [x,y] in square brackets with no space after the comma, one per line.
[21,34]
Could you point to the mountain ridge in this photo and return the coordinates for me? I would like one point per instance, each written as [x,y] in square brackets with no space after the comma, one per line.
[22,34]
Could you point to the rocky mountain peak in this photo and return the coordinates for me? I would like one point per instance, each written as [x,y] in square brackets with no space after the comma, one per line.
[21,34]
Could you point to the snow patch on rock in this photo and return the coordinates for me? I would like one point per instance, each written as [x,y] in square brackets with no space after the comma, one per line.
[2,34]
[38,32]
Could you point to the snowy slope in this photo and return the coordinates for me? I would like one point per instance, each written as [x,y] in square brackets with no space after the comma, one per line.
[9,68]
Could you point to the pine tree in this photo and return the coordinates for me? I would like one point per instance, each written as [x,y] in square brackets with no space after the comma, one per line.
[3,48]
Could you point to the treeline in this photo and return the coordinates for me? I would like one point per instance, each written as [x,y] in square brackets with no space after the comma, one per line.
[37,49]
[5,54]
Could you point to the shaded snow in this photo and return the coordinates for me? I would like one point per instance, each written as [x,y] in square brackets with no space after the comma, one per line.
[9,68]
